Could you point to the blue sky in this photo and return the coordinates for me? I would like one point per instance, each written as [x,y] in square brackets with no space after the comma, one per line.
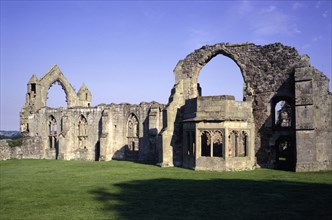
[125,51]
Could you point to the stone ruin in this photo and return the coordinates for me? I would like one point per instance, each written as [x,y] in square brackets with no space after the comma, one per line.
[283,122]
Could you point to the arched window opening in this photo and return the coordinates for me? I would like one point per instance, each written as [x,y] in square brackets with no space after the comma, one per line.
[82,127]
[283,114]
[243,152]
[52,126]
[217,144]
[206,144]
[56,96]
[133,133]
[233,150]
[82,132]
[221,76]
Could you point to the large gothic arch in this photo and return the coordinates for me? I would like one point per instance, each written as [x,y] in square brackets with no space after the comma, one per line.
[54,75]
[271,73]
[268,71]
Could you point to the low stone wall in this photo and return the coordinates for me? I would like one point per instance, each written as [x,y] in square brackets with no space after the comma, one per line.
[5,151]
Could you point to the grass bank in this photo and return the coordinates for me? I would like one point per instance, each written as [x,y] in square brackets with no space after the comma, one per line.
[46,189]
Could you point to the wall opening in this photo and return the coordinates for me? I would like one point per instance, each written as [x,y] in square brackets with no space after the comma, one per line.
[53,135]
[56,96]
[221,76]
[206,144]
[217,144]
[282,113]
[133,133]
[82,131]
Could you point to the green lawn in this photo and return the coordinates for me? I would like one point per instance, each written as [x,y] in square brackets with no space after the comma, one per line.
[46,189]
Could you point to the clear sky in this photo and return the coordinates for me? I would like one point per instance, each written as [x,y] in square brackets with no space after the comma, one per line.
[125,51]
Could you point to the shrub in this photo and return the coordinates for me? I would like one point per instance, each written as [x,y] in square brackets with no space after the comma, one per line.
[15,142]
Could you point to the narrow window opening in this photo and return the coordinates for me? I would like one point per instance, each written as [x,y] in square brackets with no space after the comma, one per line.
[217,144]
[33,90]
[133,133]
[206,144]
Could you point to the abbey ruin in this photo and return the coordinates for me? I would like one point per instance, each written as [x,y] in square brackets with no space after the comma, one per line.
[195,131]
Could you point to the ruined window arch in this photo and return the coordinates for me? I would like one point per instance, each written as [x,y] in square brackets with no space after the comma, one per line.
[282,112]
[133,132]
[82,126]
[82,132]
[56,96]
[221,76]
[52,127]
[238,143]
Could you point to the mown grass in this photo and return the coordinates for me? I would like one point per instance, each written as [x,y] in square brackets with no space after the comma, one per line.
[46,189]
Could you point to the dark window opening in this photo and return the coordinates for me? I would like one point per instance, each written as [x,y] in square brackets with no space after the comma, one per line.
[244,151]
[217,145]
[33,90]
[206,144]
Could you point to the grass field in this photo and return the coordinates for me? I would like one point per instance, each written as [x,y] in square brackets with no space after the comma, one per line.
[46,189]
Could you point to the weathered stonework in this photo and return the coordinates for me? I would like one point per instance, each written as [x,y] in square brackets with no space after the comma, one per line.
[283,122]
[272,74]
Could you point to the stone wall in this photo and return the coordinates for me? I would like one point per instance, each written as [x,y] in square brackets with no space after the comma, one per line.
[268,73]
[5,150]
[153,132]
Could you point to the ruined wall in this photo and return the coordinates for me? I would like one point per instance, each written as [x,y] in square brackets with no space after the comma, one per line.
[115,139]
[5,151]
[268,72]
[81,132]
[313,120]
[272,73]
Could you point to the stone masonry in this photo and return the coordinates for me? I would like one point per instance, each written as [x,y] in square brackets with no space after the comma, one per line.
[283,122]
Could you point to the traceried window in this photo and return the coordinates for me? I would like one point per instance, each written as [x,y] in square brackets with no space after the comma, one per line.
[212,144]
[133,133]
[238,144]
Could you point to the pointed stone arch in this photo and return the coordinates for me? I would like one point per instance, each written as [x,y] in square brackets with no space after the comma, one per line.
[221,76]
[133,132]
[54,75]
[189,69]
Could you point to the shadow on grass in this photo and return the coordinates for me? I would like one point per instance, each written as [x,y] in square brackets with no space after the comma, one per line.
[217,199]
